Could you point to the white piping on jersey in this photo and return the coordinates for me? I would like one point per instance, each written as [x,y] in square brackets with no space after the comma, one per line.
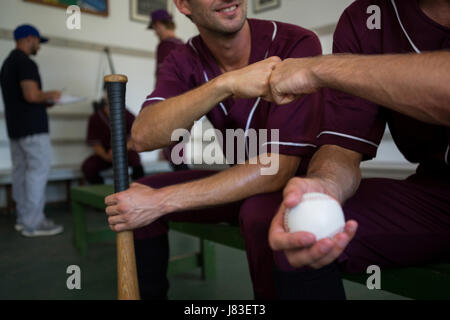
[348,136]
[446,155]
[220,104]
[155,98]
[192,45]
[293,144]
[275,30]
[223,108]
[403,28]
[274,35]
[250,116]
[249,120]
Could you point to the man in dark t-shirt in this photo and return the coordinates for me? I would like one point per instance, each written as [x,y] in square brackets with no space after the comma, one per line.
[395,75]
[27,122]
[222,73]
[164,26]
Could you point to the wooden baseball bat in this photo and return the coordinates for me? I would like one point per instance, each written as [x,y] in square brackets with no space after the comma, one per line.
[127,281]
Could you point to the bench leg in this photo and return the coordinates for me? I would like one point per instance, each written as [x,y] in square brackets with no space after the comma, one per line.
[208,259]
[79,227]
[10,205]
[68,187]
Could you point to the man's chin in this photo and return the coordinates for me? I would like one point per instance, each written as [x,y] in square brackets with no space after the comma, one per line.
[232,27]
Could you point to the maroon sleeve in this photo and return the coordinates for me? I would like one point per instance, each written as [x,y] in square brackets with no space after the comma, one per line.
[348,121]
[170,82]
[298,122]
[94,135]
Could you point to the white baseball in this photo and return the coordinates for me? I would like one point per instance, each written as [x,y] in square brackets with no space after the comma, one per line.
[318,214]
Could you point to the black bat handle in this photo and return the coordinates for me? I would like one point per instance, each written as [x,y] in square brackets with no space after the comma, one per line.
[116,88]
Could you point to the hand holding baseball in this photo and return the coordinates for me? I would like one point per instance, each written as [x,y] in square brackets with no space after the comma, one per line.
[302,248]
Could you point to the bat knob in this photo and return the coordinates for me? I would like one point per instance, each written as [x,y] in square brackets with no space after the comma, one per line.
[116,78]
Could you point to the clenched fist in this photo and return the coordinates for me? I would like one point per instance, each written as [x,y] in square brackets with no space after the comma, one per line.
[292,79]
[253,80]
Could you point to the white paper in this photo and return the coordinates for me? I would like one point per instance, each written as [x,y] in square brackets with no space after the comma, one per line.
[69,99]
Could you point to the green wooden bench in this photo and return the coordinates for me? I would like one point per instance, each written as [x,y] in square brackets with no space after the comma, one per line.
[429,282]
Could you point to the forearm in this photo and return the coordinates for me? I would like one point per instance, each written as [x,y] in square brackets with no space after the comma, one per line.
[100,151]
[47,96]
[40,97]
[338,170]
[415,85]
[235,184]
[154,125]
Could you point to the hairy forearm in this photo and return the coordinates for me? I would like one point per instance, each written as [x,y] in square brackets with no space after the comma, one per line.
[338,169]
[234,184]
[154,126]
[412,84]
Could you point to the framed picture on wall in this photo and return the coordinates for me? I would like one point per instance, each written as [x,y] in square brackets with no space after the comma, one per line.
[263,5]
[98,7]
[140,9]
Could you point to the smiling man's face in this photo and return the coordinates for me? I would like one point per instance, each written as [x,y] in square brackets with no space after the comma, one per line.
[222,16]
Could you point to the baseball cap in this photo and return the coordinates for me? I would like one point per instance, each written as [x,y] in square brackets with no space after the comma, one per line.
[159,15]
[26,30]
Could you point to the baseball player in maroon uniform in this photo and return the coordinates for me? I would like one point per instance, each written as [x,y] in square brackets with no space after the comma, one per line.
[99,137]
[401,222]
[162,23]
[222,73]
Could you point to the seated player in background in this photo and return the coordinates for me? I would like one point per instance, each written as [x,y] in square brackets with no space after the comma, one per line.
[99,137]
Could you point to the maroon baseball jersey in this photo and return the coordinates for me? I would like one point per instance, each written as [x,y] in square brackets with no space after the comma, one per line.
[164,48]
[298,123]
[357,124]
[99,131]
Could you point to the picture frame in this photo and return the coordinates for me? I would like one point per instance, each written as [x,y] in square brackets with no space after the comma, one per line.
[96,7]
[264,5]
[140,9]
